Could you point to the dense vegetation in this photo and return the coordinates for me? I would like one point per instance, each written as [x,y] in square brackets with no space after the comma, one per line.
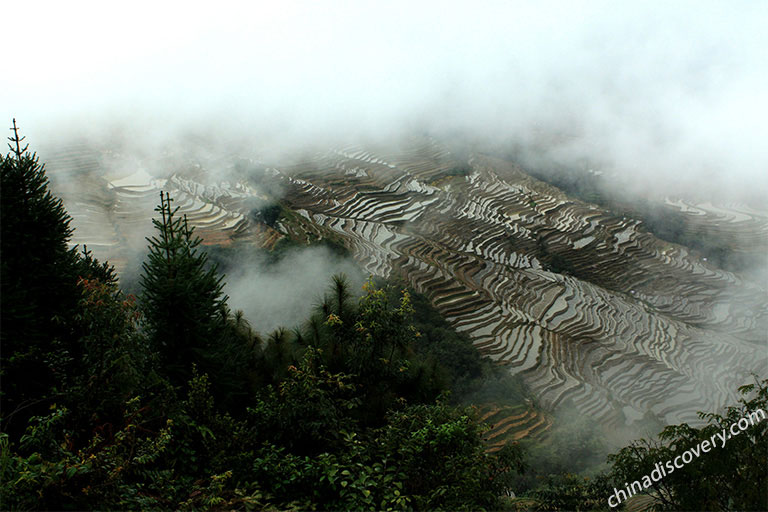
[170,400]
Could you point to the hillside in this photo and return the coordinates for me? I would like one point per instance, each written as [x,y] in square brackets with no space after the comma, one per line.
[584,303]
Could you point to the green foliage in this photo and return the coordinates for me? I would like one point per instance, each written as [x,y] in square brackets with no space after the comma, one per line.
[340,415]
[186,313]
[444,459]
[308,410]
[112,360]
[268,214]
[572,493]
[734,477]
[36,258]
[39,294]
[373,341]
[386,468]
[350,479]
[438,341]
[381,333]
[730,478]
[37,277]
[181,299]
[455,364]
[54,475]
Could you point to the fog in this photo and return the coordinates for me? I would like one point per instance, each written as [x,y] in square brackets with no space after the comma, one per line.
[649,91]
[285,294]
[665,97]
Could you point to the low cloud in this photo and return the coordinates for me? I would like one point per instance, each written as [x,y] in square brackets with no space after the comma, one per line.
[284,293]
[660,93]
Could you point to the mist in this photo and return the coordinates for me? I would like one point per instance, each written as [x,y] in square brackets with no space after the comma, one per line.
[286,292]
[661,95]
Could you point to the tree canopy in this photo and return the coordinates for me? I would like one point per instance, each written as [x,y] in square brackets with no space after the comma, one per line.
[172,401]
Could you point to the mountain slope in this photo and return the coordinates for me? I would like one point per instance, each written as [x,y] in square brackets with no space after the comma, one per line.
[585,304]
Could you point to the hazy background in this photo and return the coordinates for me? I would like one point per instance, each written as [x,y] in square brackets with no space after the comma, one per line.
[649,90]
[286,293]
[669,97]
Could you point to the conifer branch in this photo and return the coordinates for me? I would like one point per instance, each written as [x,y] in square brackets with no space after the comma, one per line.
[17,141]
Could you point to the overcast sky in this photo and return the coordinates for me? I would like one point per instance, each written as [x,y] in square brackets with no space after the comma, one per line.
[652,87]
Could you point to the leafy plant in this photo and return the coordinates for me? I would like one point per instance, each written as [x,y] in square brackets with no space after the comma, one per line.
[730,477]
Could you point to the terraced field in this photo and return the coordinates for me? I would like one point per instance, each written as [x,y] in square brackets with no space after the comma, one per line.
[111,199]
[586,305]
[512,423]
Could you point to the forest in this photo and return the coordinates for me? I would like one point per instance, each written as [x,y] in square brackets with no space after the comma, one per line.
[168,399]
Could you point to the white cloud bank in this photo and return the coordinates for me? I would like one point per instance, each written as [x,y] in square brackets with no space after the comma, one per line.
[652,89]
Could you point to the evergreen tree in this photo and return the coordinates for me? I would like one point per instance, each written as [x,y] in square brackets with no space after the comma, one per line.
[38,285]
[39,295]
[35,233]
[182,299]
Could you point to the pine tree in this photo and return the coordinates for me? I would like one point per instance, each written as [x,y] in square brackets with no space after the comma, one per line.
[35,234]
[182,298]
[39,294]
[38,285]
